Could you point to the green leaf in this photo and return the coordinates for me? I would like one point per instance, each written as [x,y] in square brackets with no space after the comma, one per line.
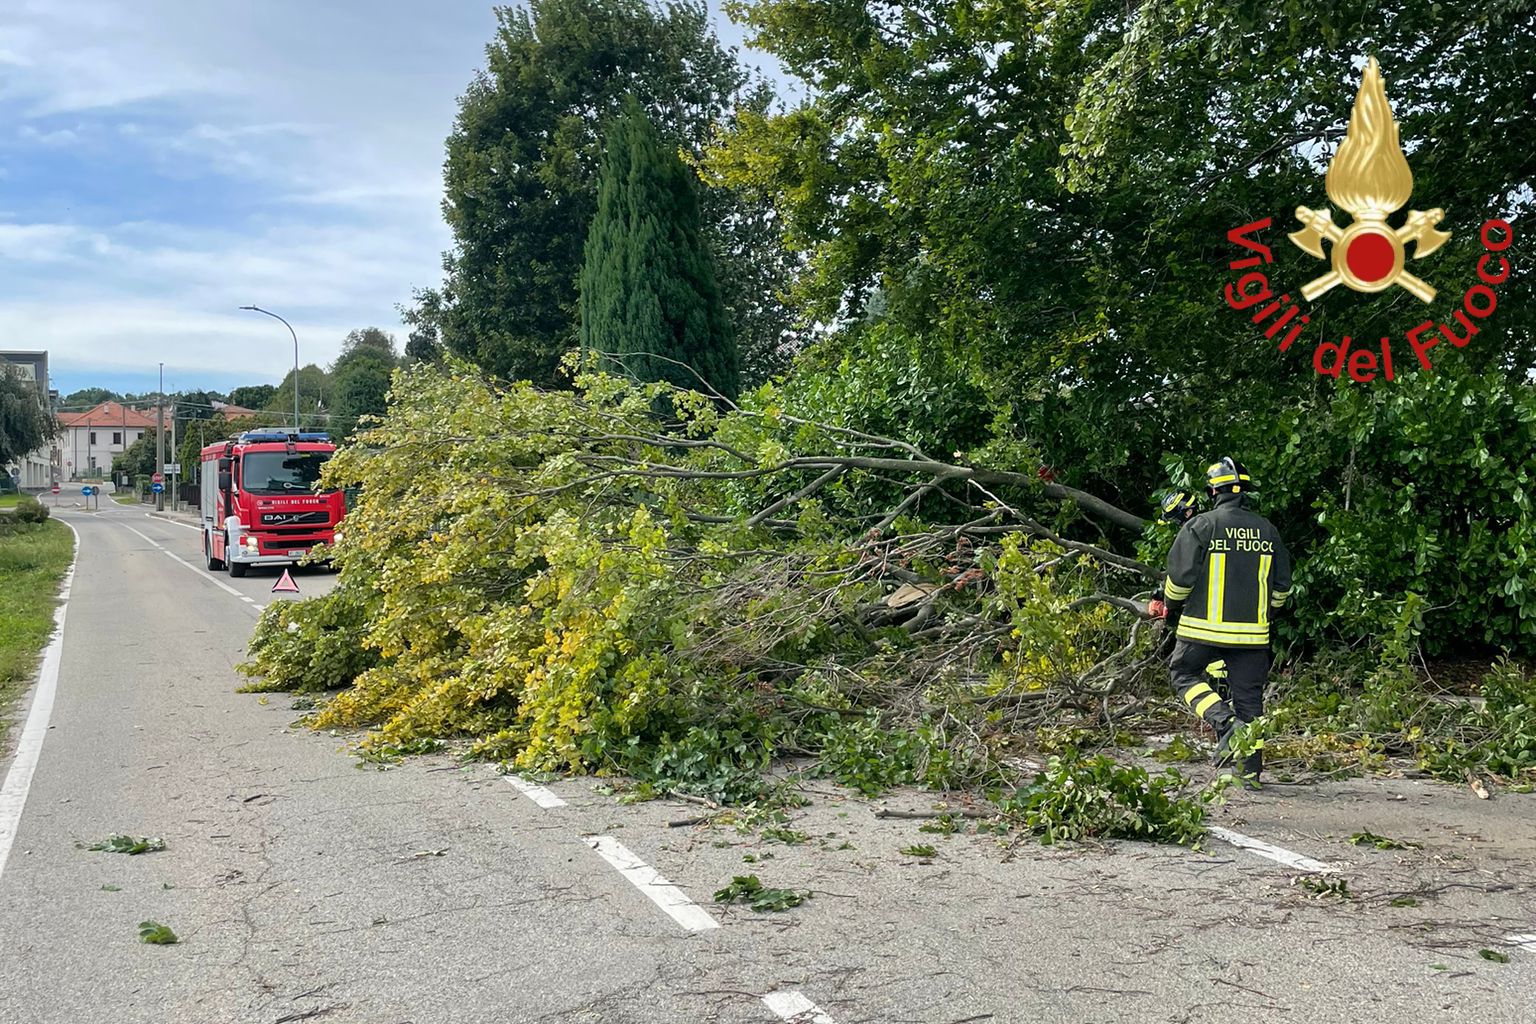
[1494,955]
[156,934]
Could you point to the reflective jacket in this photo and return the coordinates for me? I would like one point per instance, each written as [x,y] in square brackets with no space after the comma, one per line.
[1227,570]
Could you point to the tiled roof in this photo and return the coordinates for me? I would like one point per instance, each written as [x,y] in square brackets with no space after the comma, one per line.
[108,414]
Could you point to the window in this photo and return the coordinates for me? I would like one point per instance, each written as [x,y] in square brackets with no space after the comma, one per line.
[117,437]
[93,437]
[278,473]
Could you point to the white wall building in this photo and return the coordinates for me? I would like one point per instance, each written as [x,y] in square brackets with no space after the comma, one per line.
[92,439]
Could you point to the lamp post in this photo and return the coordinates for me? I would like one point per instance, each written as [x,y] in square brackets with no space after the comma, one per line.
[285,323]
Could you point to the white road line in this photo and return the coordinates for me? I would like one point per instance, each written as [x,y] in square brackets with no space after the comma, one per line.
[1263,849]
[661,892]
[796,1009]
[173,522]
[13,793]
[200,573]
[538,794]
[1524,941]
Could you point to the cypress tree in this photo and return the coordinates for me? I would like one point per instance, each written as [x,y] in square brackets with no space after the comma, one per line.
[648,284]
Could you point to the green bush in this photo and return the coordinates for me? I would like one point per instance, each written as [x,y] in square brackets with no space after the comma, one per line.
[30,510]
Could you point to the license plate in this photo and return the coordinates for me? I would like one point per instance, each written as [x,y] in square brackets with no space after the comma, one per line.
[295,553]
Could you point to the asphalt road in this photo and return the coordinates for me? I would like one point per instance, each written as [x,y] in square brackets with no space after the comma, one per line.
[306,887]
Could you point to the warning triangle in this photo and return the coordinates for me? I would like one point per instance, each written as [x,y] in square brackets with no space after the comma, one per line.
[285,584]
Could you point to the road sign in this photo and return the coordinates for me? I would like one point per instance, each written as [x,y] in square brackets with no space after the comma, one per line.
[285,584]
[55,488]
[86,492]
[173,467]
[158,478]
[157,487]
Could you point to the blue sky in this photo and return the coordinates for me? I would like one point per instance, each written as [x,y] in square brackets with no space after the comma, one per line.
[163,162]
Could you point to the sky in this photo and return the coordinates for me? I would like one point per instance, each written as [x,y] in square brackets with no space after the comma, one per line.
[163,162]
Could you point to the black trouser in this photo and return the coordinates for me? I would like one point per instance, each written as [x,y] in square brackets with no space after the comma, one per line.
[1199,671]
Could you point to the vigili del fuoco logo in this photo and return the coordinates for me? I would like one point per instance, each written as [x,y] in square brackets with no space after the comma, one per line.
[1369,178]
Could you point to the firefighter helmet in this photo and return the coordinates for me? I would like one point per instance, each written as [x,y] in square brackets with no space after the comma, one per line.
[1177,507]
[1227,475]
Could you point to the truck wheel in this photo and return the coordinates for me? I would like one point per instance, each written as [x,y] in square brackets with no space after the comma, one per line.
[238,569]
[214,564]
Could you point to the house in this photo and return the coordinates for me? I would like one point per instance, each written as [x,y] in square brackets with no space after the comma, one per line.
[230,412]
[38,469]
[91,439]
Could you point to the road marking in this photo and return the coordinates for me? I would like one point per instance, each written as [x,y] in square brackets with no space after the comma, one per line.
[1525,941]
[672,900]
[538,794]
[173,522]
[200,573]
[796,1009]
[13,794]
[1263,849]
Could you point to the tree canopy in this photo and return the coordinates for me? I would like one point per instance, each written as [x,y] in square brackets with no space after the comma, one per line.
[25,425]
[648,285]
[522,168]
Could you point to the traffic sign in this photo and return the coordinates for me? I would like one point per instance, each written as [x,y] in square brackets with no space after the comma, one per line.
[157,487]
[158,478]
[86,492]
[173,467]
[55,488]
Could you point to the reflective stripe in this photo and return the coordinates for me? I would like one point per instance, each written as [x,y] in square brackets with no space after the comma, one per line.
[1264,561]
[1226,479]
[1233,628]
[1187,632]
[1215,587]
[1173,592]
[1206,705]
[1195,692]
[1217,669]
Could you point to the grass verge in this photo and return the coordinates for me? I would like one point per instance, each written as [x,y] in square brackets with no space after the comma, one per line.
[9,500]
[33,558]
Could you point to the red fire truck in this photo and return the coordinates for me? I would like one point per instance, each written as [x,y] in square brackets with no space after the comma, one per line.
[260,505]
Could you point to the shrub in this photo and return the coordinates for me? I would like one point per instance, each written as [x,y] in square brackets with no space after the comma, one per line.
[30,510]
[312,645]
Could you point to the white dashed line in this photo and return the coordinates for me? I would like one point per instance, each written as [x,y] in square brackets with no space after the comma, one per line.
[200,573]
[1524,941]
[1275,853]
[672,900]
[538,794]
[796,1009]
[18,781]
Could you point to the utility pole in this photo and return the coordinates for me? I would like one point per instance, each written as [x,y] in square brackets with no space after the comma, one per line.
[174,456]
[160,437]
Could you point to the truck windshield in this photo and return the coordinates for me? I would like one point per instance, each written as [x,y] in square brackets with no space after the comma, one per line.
[278,473]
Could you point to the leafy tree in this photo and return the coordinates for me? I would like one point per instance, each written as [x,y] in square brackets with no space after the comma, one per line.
[1043,192]
[25,425]
[423,343]
[359,386]
[521,172]
[371,339]
[314,396]
[197,405]
[648,286]
[252,396]
[86,398]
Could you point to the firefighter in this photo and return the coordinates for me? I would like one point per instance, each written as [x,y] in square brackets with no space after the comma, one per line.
[1228,573]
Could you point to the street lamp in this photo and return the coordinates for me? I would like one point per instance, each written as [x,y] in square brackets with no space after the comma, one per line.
[285,323]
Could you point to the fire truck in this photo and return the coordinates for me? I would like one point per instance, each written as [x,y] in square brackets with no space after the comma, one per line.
[260,504]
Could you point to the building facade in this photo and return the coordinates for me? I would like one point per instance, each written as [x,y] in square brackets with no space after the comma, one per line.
[92,439]
[38,469]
